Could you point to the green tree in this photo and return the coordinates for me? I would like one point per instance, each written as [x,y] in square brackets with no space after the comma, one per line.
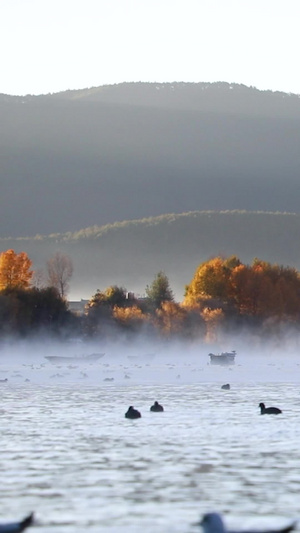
[159,291]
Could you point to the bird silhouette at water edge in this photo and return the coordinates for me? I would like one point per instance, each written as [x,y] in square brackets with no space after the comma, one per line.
[132,413]
[213,523]
[269,410]
[17,527]
[156,408]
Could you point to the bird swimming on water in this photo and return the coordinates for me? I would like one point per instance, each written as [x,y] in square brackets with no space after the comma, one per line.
[131,413]
[156,408]
[17,527]
[226,386]
[269,410]
[213,523]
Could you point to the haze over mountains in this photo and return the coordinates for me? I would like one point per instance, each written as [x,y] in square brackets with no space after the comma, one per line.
[86,158]
[131,253]
[78,158]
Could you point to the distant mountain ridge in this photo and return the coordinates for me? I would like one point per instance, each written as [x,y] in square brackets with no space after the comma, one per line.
[215,97]
[92,157]
[130,253]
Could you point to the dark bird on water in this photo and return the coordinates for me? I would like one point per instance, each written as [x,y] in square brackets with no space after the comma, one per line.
[17,527]
[226,386]
[213,523]
[131,413]
[269,410]
[156,408]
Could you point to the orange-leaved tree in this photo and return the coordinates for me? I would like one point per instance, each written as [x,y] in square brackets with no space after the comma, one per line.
[263,289]
[131,318]
[211,280]
[171,318]
[15,270]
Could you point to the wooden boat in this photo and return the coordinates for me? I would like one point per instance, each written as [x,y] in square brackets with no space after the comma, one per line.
[75,359]
[223,358]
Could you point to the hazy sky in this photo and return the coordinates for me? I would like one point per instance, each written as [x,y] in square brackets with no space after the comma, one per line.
[52,45]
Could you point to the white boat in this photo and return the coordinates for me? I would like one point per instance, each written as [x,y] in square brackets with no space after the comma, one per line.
[223,358]
[74,359]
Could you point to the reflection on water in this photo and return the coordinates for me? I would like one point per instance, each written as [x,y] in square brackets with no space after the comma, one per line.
[69,454]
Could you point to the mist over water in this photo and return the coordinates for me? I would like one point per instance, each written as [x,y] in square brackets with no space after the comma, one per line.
[145,362]
[69,454]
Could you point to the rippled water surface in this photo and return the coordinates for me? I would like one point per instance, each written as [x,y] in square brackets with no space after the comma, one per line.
[69,454]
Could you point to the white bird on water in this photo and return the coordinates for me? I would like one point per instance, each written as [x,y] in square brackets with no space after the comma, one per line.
[17,527]
[213,523]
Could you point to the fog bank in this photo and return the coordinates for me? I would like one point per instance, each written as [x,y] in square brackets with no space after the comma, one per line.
[128,364]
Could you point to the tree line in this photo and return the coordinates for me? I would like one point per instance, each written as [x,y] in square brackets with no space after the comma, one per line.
[33,302]
[223,294]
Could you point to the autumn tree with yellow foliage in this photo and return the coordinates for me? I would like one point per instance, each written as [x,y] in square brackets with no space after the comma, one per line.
[99,310]
[211,281]
[259,290]
[176,320]
[130,318]
[170,318]
[15,270]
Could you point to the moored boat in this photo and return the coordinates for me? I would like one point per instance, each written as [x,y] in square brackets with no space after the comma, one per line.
[74,359]
[223,358]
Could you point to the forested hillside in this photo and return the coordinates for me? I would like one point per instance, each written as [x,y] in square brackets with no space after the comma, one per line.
[71,160]
[130,253]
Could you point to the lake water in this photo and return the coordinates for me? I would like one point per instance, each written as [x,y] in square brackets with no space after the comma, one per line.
[69,454]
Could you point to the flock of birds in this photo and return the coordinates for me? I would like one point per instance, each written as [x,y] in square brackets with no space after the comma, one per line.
[133,413]
[210,523]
